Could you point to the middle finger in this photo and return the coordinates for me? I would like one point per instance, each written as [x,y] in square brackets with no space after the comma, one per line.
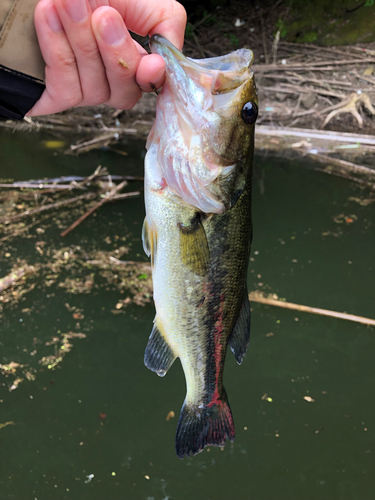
[121,57]
[75,16]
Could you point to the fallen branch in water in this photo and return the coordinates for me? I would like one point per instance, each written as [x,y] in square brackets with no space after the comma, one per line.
[33,185]
[318,66]
[26,228]
[108,197]
[5,424]
[28,124]
[75,179]
[15,276]
[347,166]
[43,208]
[255,297]
[125,195]
[87,180]
[97,142]
[327,136]
[328,170]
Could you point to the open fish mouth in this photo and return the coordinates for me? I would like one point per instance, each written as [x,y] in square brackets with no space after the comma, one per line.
[222,74]
[198,132]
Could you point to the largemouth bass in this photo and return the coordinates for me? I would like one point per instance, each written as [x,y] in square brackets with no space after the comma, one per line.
[198,229]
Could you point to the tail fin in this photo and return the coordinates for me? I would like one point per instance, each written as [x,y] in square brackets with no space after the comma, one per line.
[201,427]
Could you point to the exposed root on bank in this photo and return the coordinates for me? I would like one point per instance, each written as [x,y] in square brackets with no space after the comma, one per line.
[351,105]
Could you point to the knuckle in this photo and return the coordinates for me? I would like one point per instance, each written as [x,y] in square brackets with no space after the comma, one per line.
[65,60]
[99,97]
[73,99]
[71,96]
[63,88]
[88,50]
[127,103]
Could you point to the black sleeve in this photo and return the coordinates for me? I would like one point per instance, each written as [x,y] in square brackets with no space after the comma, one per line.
[18,93]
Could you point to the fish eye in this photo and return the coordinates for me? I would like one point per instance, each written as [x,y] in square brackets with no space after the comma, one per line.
[249,112]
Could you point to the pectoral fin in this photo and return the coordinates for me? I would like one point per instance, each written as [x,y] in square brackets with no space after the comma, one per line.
[194,249]
[149,239]
[239,339]
[159,356]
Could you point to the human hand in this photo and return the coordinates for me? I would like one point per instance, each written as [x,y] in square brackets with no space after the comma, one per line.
[90,56]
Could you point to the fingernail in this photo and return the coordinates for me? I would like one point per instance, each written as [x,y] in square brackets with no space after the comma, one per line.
[112,29]
[53,19]
[77,10]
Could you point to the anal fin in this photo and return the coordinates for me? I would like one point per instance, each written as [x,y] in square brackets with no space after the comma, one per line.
[239,338]
[159,356]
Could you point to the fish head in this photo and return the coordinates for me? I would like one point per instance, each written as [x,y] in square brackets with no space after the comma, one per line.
[204,127]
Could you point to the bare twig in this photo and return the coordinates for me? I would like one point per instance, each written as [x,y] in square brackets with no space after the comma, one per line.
[118,151]
[301,79]
[192,45]
[43,208]
[31,124]
[337,173]
[348,166]
[33,185]
[195,26]
[254,297]
[125,195]
[97,142]
[323,135]
[274,46]
[199,47]
[98,171]
[320,66]
[108,197]
[297,89]
[266,58]
[103,174]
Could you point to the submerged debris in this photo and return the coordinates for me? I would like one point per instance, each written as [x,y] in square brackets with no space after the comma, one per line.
[16,275]
[309,399]
[5,424]
[63,346]
[15,370]
[52,267]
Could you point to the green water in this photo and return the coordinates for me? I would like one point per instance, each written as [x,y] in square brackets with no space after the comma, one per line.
[284,449]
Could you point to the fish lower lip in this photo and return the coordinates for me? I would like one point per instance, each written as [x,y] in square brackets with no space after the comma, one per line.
[163,47]
[159,41]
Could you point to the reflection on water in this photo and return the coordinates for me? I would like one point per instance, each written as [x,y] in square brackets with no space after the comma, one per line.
[97,427]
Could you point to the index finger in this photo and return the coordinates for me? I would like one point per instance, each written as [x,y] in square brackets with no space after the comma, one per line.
[147,17]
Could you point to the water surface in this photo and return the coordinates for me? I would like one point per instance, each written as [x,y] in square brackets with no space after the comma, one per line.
[102,413]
